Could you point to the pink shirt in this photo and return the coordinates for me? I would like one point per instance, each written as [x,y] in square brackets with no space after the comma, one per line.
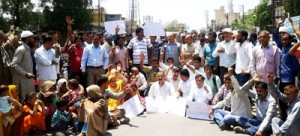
[122,55]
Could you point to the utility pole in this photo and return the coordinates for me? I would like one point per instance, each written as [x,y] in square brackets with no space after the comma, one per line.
[99,15]
[243,15]
[273,16]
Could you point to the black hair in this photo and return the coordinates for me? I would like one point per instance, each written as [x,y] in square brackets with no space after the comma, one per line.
[102,79]
[262,85]
[185,73]
[73,82]
[128,34]
[47,38]
[213,34]
[78,37]
[199,75]
[244,33]
[254,35]
[3,88]
[198,58]
[61,103]
[138,30]
[202,34]
[117,38]
[207,66]
[28,97]
[175,69]
[170,58]
[154,60]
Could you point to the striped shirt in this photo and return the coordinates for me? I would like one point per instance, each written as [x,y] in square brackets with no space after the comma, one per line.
[139,46]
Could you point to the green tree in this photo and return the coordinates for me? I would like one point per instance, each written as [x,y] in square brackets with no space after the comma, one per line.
[59,9]
[19,10]
[292,6]
[174,26]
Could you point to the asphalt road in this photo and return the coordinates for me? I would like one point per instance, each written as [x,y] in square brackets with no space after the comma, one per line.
[168,125]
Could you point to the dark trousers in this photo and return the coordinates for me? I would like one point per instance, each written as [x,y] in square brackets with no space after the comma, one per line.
[283,106]
[242,78]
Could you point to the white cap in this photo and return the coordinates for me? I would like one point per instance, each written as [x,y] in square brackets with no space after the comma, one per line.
[283,29]
[228,30]
[26,33]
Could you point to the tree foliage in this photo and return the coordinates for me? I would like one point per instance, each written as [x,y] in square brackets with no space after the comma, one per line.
[59,9]
[292,6]
[174,26]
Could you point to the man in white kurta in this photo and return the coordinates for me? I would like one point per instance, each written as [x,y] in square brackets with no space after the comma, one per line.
[161,88]
[200,92]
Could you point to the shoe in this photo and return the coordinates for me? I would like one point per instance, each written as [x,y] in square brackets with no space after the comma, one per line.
[224,127]
[239,129]
[124,120]
[212,122]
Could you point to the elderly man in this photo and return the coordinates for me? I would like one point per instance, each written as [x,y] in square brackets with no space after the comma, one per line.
[291,126]
[23,66]
[161,88]
[200,92]
[227,59]
[189,49]
[141,81]
[171,50]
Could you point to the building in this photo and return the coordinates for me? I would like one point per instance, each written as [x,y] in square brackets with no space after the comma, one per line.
[224,19]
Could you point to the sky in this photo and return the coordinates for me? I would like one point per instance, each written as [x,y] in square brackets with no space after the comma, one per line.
[190,12]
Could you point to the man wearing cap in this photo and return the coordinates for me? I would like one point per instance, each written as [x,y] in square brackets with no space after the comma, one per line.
[23,66]
[109,47]
[94,60]
[227,59]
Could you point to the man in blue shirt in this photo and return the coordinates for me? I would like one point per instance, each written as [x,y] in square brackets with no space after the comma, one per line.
[94,61]
[208,50]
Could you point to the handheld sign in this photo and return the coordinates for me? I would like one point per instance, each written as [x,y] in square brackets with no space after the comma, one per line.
[154,29]
[110,26]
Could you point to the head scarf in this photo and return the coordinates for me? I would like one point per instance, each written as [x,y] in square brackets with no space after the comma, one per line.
[93,92]
[59,84]
[13,92]
[46,86]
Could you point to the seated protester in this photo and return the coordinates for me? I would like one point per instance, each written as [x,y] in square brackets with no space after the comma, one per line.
[13,92]
[184,86]
[61,88]
[35,115]
[115,86]
[76,92]
[161,88]
[193,66]
[151,72]
[200,92]
[93,111]
[140,81]
[223,91]
[212,80]
[291,126]
[48,97]
[265,106]
[174,80]
[10,109]
[119,76]
[240,106]
[119,117]
[61,118]
[168,68]
[132,85]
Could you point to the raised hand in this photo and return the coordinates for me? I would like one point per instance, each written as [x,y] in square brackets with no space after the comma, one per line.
[69,20]
[270,77]
[142,56]
[117,29]
[289,18]
[257,78]
[230,71]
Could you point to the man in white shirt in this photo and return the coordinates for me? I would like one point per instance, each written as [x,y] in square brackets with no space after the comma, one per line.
[47,58]
[200,92]
[240,106]
[161,88]
[227,59]
[243,50]
[174,80]
[184,86]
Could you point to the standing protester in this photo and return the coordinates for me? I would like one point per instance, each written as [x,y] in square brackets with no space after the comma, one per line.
[171,49]
[5,63]
[94,61]
[23,66]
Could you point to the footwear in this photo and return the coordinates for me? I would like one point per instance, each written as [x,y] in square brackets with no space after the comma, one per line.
[212,122]
[224,127]
[239,129]
[124,120]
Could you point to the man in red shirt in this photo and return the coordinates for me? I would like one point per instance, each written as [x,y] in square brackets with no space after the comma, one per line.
[75,52]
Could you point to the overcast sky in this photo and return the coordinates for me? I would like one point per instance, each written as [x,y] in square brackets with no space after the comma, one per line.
[191,12]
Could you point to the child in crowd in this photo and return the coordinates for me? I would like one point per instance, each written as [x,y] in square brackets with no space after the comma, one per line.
[61,118]
[75,91]
[35,118]
[10,109]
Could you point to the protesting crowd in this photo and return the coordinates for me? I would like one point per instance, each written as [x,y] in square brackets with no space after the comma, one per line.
[248,80]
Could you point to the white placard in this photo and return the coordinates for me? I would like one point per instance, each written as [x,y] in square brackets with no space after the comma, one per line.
[197,110]
[158,104]
[154,29]
[287,23]
[133,107]
[110,26]
[178,107]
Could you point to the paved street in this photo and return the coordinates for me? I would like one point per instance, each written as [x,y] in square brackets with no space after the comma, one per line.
[168,125]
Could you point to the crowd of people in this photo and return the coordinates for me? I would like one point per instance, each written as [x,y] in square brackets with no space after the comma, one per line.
[231,72]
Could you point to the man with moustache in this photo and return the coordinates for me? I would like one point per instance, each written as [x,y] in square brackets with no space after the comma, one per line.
[161,88]
[23,66]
